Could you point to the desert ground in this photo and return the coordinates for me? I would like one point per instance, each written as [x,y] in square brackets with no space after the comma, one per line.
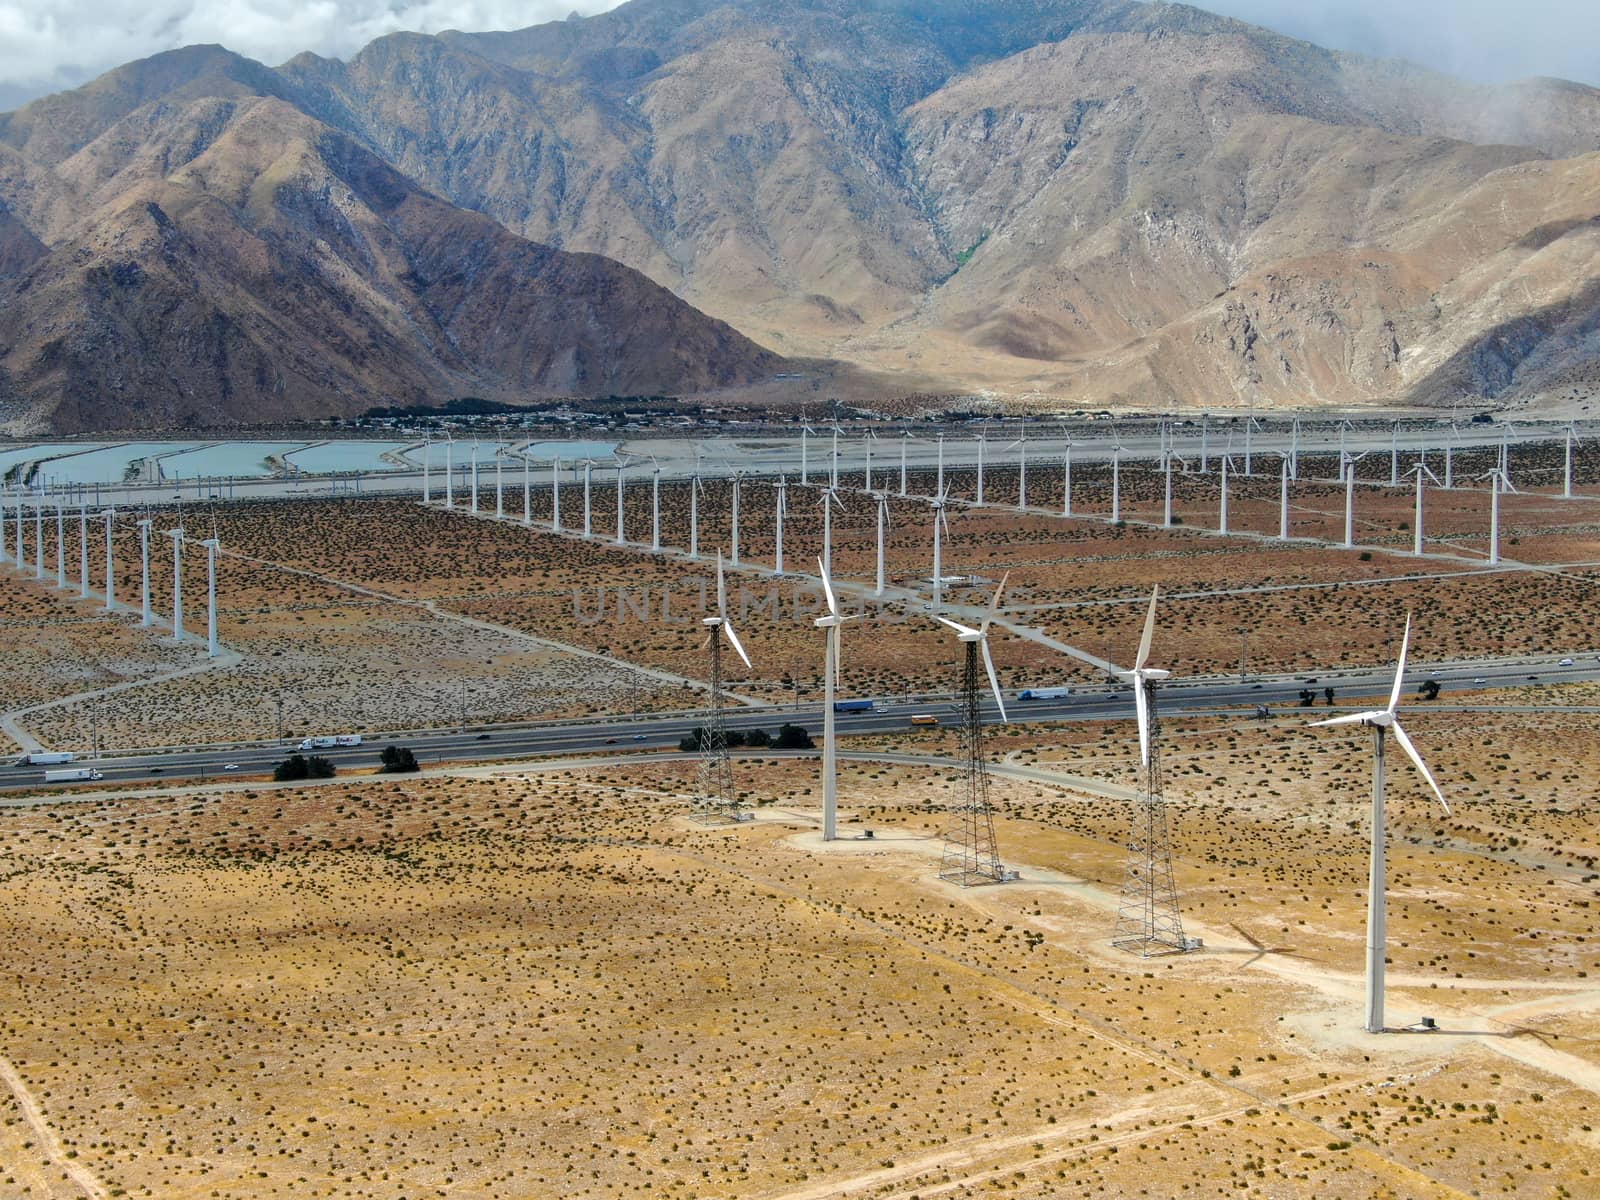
[547,981]
[495,981]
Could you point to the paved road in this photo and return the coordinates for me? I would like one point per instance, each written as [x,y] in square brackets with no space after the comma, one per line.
[662,732]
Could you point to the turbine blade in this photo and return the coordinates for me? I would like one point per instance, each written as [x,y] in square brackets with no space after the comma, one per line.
[733,638]
[827,588]
[958,627]
[1405,744]
[1141,705]
[994,683]
[1400,667]
[994,604]
[1347,719]
[1149,630]
[838,657]
[722,589]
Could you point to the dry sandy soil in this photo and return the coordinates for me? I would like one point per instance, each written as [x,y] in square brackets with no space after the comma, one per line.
[497,983]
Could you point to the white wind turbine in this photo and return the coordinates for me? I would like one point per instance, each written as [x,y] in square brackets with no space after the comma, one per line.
[1066,475]
[213,546]
[144,570]
[833,465]
[474,468]
[977,642]
[1349,462]
[427,469]
[83,549]
[938,487]
[177,582]
[110,515]
[806,432]
[883,523]
[830,497]
[555,494]
[1394,455]
[1499,482]
[449,470]
[1420,470]
[38,539]
[1021,447]
[738,479]
[1145,678]
[1225,464]
[1167,457]
[780,509]
[867,441]
[622,536]
[1250,425]
[829,624]
[588,512]
[499,485]
[1566,477]
[1205,455]
[695,489]
[715,797]
[1382,720]
[941,525]
[61,545]
[905,438]
[1283,496]
[655,506]
[527,488]
[1116,480]
[1294,449]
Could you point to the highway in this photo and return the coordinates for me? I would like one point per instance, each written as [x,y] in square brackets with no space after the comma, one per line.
[660,732]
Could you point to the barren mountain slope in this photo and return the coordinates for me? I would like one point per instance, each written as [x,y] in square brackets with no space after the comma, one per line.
[283,271]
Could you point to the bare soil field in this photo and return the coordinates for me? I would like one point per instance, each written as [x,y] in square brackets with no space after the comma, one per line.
[508,983]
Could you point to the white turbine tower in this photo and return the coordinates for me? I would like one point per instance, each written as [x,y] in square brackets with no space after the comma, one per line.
[1205,430]
[830,497]
[655,506]
[867,441]
[555,494]
[1283,497]
[1166,488]
[427,470]
[499,485]
[588,510]
[1499,482]
[883,523]
[61,545]
[1349,462]
[1420,470]
[905,438]
[1021,447]
[1294,449]
[983,440]
[1566,476]
[527,488]
[110,515]
[1382,720]
[941,525]
[144,571]
[833,464]
[1066,476]
[1225,464]
[83,549]
[1394,455]
[829,624]
[177,582]
[213,546]
[474,484]
[970,856]
[622,536]
[449,470]
[1116,482]
[738,479]
[780,509]
[938,487]
[695,488]
[805,432]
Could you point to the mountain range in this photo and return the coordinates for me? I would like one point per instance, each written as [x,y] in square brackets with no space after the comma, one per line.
[1067,202]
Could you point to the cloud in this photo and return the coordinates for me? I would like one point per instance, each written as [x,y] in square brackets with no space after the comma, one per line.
[1490,41]
[48,45]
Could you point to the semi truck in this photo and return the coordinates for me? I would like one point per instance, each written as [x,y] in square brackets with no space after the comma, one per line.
[1050,693]
[72,775]
[329,741]
[852,706]
[45,758]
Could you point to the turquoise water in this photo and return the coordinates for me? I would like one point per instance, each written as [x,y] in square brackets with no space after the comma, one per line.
[240,459]
[570,451]
[11,457]
[111,464]
[337,457]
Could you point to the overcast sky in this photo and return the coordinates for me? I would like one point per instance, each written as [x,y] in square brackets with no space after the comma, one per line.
[48,45]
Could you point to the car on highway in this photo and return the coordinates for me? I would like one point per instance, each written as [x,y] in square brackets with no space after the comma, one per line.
[1566,662]
[638,737]
[1480,679]
[231,767]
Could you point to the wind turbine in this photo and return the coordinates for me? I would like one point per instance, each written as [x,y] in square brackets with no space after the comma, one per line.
[83,549]
[61,545]
[867,441]
[110,515]
[1250,425]
[833,467]
[1499,482]
[1166,488]
[655,506]
[970,856]
[938,489]
[983,439]
[738,478]
[474,507]
[177,582]
[555,494]
[715,798]
[1116,481]
[780,509]
[905,437]
[622,539]
[1021,447]
[829,624]
[527,489]
[1566,477]
[883,521]
[1349,462]
[499,485]
[1394,455]
[1294,449]
[427,469]
[1225,465]
[1283,498]
[695,488]
[1148,920]
[1381,720]
[1419,470]
[144,571]
[1066,475]
[1205,429]
[830,497]
[588,512]
[213,547]
[941,523]
[805,432]
[38,539]
[449,470]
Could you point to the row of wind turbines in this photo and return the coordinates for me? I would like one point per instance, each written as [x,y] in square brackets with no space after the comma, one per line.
[14,550]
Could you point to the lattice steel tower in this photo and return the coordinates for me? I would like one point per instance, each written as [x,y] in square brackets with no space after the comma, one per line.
[969,849]
[1148,921]
[715,800]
